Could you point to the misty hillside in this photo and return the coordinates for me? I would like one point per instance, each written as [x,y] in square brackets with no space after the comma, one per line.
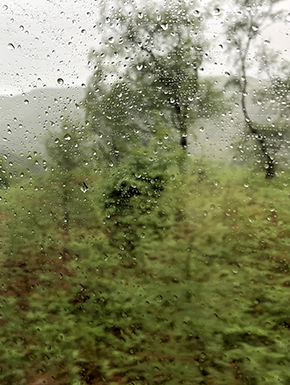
[25,119]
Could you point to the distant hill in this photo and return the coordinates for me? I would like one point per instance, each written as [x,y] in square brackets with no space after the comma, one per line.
[25,119]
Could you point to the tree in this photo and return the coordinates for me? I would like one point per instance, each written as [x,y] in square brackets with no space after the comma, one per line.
[4,182]
[244,29]
[275,97]
[150,61]
[69,153]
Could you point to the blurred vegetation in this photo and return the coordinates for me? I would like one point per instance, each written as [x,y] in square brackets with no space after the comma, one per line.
[163,277]
[127,260]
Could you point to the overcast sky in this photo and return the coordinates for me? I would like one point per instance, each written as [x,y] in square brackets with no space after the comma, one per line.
[45,40]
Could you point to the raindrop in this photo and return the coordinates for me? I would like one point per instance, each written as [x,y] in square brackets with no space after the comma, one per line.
[227,74]
[196,13]
[26,101]
[216,12]
[67,137]
[21,27]
[201,129]
[254,28]
[84,188]
[164,26]
[10,46]
[139,67]
[111,39]
[140,15]
[60,81]
[266,42]
[5,7]
[288,18]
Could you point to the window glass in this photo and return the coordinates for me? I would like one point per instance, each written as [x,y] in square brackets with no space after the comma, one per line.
[144,192]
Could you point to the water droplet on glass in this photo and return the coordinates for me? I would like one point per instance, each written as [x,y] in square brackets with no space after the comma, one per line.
[266,42]
[111,39]
[196,13]
[84,188]
[216,11]
[252,218]
[67,137]
[164,26]
[26,101]
[227,74]
[288,18]
[140,15]
[254,28]
[139,67]
[5,7]
[60,81]
[201,129]
[10,46]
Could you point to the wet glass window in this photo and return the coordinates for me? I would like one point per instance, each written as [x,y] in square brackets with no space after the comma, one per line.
[144,192]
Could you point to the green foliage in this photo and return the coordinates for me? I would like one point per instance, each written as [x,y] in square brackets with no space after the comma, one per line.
[139,181]
[4,172]
[69,148]
[190,287]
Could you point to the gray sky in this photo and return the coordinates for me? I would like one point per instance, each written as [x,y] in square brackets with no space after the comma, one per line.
[44,40]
